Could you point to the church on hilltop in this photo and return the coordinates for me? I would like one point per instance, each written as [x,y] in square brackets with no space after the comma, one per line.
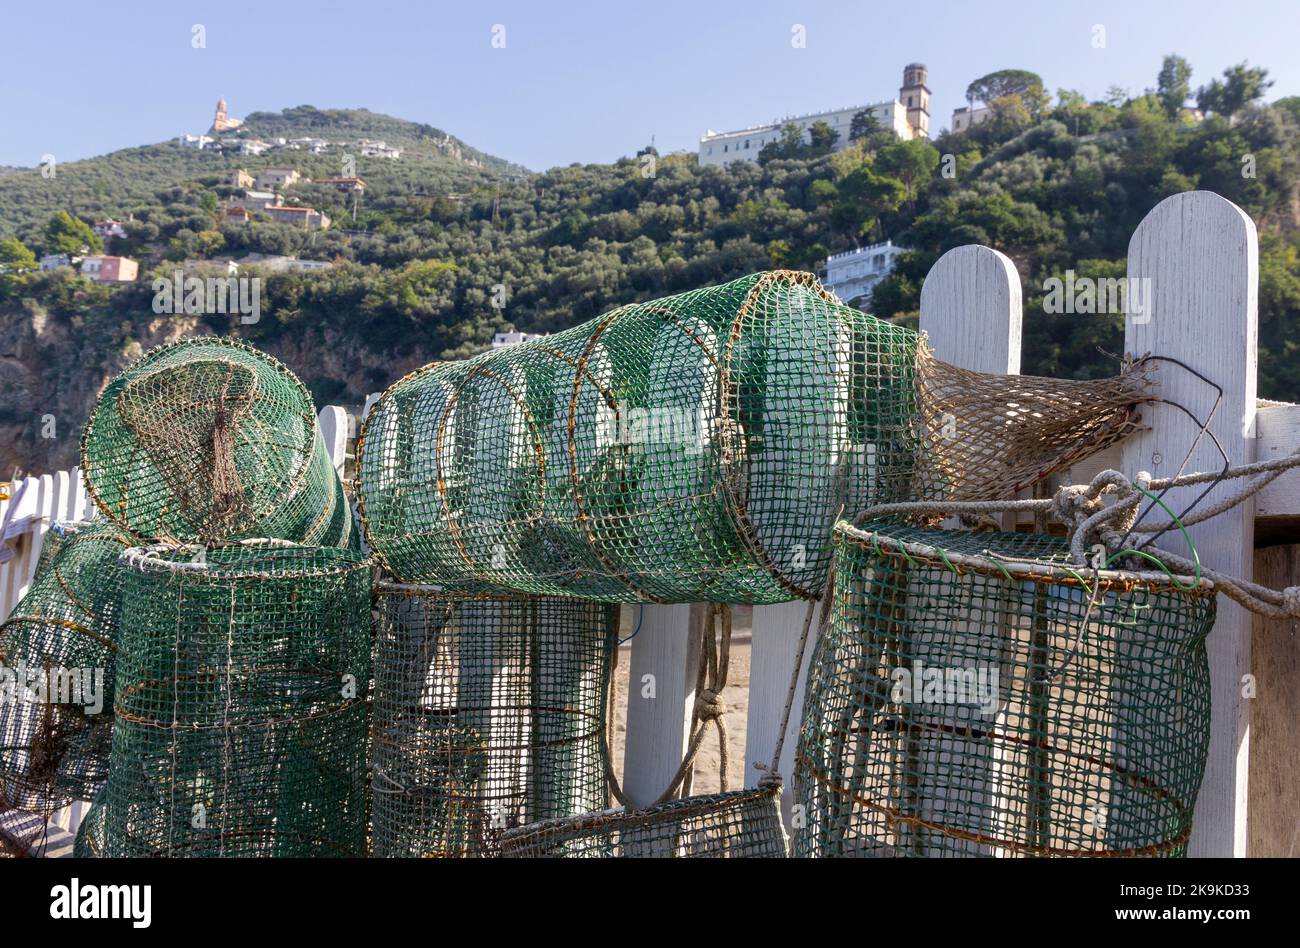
[222,122]
[907,116]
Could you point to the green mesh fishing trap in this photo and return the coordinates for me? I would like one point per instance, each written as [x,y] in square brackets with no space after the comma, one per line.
[742,824]
[975,695]
[58,649]
[242,680]
[489,712]
[210,439]
[54,539]
[697,448]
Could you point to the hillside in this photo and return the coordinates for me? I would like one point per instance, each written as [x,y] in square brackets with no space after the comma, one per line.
[1056,186]
[143,179]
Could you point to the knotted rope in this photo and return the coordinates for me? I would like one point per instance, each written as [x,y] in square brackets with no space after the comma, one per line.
[1092,522]
[710,680]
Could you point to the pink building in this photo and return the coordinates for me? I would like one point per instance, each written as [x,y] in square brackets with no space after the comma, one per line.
[105,269]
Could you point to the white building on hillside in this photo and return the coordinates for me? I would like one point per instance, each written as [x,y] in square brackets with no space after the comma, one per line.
[908,117]
[855,273]
[966,117]
[513,338]
[378,149]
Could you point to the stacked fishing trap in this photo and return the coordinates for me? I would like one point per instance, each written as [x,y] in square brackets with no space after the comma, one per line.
[971,694]
[241,711]
[697,448]
[60,645]
[977,695]
[210,439]
[224,604]
[489,712]
[690,449]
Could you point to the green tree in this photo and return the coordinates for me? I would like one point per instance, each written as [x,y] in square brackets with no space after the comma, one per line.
[788,145]
[863,124]
[14,255]
[71,235]
[821,139]
[208,242]
[1174,84]
[1241,86]
[911,162]
[1007,82]
[864,195]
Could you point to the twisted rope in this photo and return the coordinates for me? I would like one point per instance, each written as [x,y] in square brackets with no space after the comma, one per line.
[1091,521]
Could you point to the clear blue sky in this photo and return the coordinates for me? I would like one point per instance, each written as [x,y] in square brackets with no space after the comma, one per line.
[581,81]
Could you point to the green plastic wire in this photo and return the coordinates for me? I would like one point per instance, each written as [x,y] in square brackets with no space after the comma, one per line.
[1196,557]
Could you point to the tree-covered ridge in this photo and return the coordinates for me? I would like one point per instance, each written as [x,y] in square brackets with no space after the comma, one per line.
[1057,184]
[146,180]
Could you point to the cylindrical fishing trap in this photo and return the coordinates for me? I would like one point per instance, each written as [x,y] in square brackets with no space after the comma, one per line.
[60,647]
[697,448]
[489,712]
[210,439]
[53,541]
[974,694]
[241,707]
[742,824]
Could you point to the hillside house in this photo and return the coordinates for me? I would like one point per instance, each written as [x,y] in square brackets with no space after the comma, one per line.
[378,149]
[240,215]
[253,146]
[103,268]
[273,178]
[259,200]
[968,117]
[305,217]
[853,274]
[502,339]
[109,228]
[52,261]
[343,184]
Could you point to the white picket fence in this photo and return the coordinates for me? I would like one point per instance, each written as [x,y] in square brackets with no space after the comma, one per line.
[1199,253]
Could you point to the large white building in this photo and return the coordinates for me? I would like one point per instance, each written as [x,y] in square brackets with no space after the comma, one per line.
[908,116]
[855,273]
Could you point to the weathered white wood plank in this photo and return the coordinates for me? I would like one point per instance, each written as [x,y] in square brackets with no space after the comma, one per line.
[660,698]
[1278,430]
[774,642]
[1200,253]
[971,310]
[334,428]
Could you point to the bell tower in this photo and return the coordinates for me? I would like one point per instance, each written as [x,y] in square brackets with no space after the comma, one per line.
[219,121]
[915,96]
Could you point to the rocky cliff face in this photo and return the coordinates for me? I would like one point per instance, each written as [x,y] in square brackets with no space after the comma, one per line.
[52,368]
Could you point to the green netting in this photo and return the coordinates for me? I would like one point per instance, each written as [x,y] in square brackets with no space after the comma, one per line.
[970,696]
[58,649]
[694,448]
[743,824]
[53,541]
[241,706]
[210,439]
[489,712]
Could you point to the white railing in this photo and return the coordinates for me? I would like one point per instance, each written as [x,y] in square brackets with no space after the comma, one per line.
[1199,253]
